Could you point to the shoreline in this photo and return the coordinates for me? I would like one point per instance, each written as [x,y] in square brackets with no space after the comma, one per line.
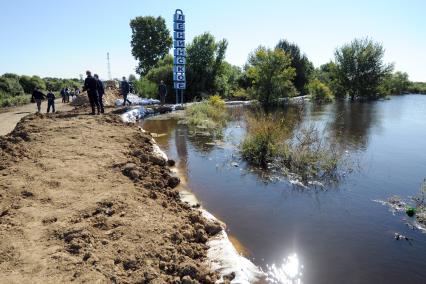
[222,256]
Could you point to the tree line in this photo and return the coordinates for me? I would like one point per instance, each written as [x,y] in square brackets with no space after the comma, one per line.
[358,70]
[14,89]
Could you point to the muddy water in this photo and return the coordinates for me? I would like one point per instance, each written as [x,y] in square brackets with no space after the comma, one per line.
[336,234]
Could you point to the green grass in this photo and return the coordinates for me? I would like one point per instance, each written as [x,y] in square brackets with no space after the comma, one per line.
[8,100]
[207,115]
[269,142]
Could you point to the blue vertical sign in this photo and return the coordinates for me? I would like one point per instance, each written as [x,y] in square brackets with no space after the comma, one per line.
[179,62]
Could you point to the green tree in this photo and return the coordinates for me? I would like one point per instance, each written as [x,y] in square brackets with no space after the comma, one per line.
[300,62]
[271,74]
[204,64]
[151,41]
[30,83]
[360,68]
[163,71]
[327,74]
[395,84]
[319,92]
[227,82]
[10,86]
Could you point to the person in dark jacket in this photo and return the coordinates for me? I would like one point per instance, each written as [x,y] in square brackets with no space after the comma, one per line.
[162,91]
[125,89]
[101,91]
[63,95]
[37,96]
[50,101]
[91,86]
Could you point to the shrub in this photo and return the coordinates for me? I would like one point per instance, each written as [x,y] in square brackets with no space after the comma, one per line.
[240,94]
[320,92]
[264,140]
[7,100]
[145,88]
[269,143]
[207,115]
[10,86]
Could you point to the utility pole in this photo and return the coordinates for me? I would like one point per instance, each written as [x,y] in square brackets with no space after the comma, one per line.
[109,67]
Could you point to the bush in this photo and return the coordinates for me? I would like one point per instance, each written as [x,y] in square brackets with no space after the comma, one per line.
[30,83]
[145,88]
[269,143]
[8,100]
[240,95]
[10,86]
[320,92]
[207,115]
[264,140]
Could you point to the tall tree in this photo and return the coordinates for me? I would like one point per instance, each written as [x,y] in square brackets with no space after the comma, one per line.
[151,41]
[30,83]
[204,57]
[271,74]
[360,68]
[300,63]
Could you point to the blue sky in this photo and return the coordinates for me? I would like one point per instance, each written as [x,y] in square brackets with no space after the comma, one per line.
[65,38]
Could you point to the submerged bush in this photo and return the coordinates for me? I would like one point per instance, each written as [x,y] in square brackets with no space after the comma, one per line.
[264,140]
[320,92]
[207,115]
[269,143]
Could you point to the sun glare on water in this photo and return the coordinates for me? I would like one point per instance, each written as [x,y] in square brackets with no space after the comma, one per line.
[290,271]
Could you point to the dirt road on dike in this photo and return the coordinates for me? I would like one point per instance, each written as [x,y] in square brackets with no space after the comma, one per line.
[84,199]
[9,117]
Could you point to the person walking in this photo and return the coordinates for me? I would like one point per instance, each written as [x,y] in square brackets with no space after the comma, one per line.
[162,91]
[125,89]
[90,86]
[63,94]
[50,101]
[38,96]
[101,92]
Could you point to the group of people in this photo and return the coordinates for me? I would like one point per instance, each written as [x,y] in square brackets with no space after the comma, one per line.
[95,91]
[66,93]
[38,97]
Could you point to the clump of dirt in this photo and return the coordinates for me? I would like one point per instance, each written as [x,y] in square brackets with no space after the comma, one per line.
[83,198]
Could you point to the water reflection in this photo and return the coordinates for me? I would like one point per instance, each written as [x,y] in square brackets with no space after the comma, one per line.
[350,123]
[289,272]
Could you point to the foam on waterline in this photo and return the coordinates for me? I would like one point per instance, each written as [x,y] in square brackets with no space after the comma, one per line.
[222,256]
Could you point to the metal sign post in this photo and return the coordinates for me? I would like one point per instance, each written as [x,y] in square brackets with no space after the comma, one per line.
[179,62]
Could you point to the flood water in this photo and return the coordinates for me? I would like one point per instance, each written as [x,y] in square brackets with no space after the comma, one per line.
[339,234]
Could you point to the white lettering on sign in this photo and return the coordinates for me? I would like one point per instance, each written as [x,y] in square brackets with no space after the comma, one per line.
[179,35]
[180,52]
[179,60]
[179,77]
[179,68]
[179,27]
[180,18]
[179,44]
[180,85]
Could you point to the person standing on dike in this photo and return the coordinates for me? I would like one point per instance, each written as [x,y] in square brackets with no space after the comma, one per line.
[38,96]
[125,89]
[101,92]
[91,86]
[162,90]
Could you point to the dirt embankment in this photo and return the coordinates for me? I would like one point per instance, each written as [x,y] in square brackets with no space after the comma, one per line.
[84,199]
